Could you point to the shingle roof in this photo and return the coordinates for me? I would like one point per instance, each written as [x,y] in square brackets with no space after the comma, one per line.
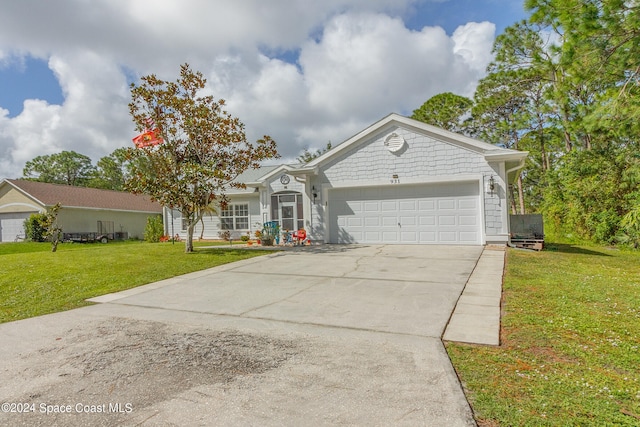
[82,197]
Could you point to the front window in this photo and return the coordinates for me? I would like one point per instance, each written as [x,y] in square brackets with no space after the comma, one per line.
[234,217]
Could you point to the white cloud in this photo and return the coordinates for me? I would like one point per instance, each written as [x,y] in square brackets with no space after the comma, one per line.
[93,119]
[473,41]
[357,63]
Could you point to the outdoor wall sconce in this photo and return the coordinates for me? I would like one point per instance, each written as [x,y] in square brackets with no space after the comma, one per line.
[491,185]
[314,193]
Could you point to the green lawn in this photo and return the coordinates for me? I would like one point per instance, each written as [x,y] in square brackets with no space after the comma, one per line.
[35,281]
[570,353]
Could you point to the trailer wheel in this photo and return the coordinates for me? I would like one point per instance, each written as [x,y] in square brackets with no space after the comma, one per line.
[104,239]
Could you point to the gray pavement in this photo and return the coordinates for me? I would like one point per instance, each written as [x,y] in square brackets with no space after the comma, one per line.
[365,321]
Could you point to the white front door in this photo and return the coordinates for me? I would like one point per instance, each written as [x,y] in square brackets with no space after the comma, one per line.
[288,217]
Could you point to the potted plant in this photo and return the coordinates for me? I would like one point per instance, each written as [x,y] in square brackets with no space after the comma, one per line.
[258,235]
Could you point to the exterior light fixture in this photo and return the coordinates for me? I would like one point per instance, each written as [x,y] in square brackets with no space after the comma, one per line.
[491,186]
[314,193]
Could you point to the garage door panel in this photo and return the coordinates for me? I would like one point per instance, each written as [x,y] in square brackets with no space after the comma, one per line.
[448,236]
[468,237]
[428,220]
[468,220]
[372,236]
[355,206]
[470,204]
[389,221]
[372,221]
[446,204]
[390,236]
[426,205]
[371,206]
[446,220]
[407,205]
[409,237]
[354,222]
[427,214]
[408,220]
[389,206]
[428,237]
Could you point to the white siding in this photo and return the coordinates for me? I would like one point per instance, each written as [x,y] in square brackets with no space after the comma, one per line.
[423,160]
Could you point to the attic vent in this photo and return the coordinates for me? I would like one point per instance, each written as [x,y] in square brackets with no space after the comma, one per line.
[394,142]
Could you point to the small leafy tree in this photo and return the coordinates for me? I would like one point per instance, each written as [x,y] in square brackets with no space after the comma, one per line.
[50,223]
[203,151]
[154,229]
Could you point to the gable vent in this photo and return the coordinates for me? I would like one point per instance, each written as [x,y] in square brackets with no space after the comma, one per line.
[394,142]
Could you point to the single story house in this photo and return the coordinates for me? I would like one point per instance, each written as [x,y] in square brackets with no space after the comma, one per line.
[83,210]
[398,181]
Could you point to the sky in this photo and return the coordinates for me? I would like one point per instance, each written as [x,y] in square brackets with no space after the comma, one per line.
[305,72]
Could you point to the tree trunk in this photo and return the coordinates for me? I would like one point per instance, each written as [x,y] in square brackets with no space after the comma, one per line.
[568,145]
[188,243]
[191,226]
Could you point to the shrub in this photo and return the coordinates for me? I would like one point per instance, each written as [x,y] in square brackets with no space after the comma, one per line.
[35,228]
[154,229]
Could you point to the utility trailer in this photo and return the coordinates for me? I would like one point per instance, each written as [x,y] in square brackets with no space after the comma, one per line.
[87,237]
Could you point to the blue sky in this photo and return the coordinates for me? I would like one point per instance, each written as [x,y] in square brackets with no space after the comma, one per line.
[332,67]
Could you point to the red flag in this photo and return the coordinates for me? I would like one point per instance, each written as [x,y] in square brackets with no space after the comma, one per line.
[147,138]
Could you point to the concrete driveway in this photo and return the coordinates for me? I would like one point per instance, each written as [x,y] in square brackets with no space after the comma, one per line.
[349,335]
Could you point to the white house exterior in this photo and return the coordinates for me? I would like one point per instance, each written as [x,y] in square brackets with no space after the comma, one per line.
[399,181]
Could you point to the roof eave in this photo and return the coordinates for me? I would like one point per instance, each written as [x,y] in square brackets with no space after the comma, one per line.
[305,170]
[505,155]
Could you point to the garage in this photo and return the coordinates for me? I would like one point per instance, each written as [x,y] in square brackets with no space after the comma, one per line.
[12,225]
[447,213]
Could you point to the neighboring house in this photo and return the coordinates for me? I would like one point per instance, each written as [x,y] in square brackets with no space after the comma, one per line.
[398,181]
[83,210]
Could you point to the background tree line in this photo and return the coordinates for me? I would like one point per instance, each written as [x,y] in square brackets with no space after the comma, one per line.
[71,168]
[565,86]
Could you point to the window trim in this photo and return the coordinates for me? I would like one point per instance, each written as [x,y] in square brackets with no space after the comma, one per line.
[238,222]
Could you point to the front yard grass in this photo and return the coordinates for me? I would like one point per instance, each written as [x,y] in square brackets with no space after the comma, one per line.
[35,281]
[570,352]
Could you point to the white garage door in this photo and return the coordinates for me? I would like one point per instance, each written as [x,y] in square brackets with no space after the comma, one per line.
[406,214]
[12,225]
